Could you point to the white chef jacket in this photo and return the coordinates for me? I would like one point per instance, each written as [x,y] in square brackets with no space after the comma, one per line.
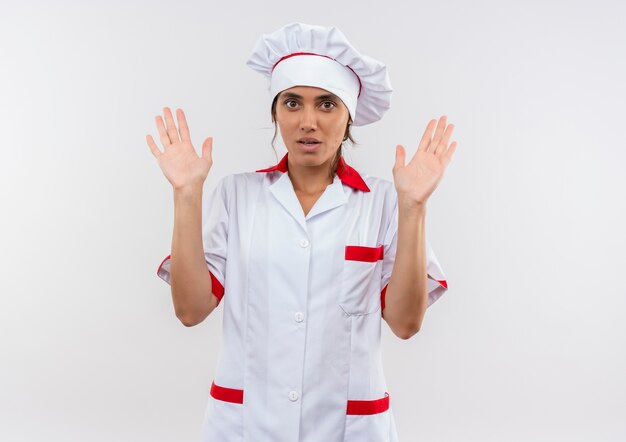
[302,296]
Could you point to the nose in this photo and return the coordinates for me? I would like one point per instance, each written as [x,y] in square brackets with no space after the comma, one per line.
[308,120]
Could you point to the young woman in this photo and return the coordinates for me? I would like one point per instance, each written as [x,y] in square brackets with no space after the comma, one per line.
[309,255]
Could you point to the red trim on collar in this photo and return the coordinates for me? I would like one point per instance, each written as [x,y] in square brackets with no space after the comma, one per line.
[346,174]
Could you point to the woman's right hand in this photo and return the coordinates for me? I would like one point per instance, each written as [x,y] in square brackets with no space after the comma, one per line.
[179,162]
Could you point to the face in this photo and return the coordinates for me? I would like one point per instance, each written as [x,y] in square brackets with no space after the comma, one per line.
[314,113]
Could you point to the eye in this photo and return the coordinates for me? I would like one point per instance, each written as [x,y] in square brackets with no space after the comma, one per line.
[329,102]
[290,101]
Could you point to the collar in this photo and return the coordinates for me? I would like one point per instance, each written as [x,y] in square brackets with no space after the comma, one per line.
[346,174]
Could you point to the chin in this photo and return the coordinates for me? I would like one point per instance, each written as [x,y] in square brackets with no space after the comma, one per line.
[315,158]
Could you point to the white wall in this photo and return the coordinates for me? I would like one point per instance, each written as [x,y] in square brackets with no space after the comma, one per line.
[528,223]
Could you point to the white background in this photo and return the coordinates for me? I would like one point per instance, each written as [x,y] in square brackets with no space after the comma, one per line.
[528,344]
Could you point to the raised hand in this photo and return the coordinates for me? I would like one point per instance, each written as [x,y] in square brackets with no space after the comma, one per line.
[416,181]
[179,162]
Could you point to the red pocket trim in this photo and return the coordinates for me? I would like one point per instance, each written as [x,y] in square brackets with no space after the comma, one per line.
[225,394]
[364,253]
[369,407]
[375,406]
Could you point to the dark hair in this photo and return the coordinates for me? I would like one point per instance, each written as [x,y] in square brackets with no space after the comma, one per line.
[347,136]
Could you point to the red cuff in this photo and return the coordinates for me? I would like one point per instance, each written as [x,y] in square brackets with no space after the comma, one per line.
[383,292]
[216,286]
[218,289]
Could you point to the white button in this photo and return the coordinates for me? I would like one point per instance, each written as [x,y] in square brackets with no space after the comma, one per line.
[299,316]
[293,395]
[304,242]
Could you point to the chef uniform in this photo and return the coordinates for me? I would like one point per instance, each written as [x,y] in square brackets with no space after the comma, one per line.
[303,295]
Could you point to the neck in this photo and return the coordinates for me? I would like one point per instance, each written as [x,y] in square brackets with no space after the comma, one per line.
[309,180]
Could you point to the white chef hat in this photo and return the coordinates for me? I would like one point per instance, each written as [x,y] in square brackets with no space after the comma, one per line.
[300,54]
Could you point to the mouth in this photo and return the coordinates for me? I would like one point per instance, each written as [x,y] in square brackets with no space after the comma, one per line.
[308,140]
[309,144]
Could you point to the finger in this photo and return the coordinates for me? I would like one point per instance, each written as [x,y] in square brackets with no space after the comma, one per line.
[448,155]
[443,144]
[435,141]
[165,138]
[182,125]
[427,135]
[153,147]
[171,127]
[207,148]
[400,156]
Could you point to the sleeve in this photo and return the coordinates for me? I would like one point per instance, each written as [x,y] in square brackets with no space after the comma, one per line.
[437,284]
[214,239]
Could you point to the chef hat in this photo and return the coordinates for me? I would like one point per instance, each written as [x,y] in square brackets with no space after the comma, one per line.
[299,54]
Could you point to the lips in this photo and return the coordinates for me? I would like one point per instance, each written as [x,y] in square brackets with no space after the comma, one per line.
[308,141]
[309,145]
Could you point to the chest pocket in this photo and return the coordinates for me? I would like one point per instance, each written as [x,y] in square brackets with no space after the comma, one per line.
[360,281]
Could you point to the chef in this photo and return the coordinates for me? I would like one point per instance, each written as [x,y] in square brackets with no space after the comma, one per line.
[308,256]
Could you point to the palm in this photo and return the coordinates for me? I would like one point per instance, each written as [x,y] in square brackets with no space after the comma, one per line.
[181,164]
[418,179]
[179,161]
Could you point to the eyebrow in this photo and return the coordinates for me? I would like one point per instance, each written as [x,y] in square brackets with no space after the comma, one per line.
[319,97]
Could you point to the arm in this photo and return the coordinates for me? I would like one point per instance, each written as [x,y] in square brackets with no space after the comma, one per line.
[407,291]
[406,297]
[187,274]
[190,281]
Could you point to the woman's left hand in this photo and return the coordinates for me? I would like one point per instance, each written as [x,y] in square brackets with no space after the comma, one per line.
[416,181]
